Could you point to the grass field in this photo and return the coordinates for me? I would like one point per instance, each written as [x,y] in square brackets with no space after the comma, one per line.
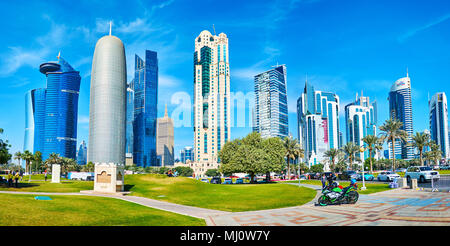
[234,198]
[24,210]
[371,188]
[42,186]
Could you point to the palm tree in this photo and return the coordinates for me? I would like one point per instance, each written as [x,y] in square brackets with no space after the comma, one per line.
[38,160]
[420,141]
[291,152]
[28,157]
[18,156]
[332,154]
[299,154]
[53,159]
[371,142]
[392,132]
[435,154]
[350,150]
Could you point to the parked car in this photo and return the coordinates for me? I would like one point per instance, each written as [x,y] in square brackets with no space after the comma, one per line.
[227,181]
[444,168]
[347,175]
[422,174]
[387,176]
[216,180]
[435,167]
[204,180]
[400,170]
[239,181]
[367,177]
[328,174]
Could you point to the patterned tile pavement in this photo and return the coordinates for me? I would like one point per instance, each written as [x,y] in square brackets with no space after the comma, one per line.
[390,208]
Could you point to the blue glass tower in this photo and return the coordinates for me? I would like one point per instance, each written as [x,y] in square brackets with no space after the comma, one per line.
[61,109]
[400,108]
[145,109]
[271,110]
[130,118]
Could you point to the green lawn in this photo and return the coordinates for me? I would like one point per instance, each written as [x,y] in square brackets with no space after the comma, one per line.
[24,210]
[234,198]
[42,186]
[371,188]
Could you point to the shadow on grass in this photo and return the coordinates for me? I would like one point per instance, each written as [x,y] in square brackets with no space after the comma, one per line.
[127,187]
[19,185]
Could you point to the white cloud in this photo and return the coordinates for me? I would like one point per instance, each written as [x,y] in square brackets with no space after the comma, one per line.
[413,32]
[83,119]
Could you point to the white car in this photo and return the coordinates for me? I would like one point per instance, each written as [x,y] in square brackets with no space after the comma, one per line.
[387,176]
[422,174]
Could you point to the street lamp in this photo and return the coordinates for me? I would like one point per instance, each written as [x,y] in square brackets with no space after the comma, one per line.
[363,180]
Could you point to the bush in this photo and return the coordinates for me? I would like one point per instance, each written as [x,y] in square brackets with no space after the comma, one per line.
[212,172]
[318,168]
[185,171]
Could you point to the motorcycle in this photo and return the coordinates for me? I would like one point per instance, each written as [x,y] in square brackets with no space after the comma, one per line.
[335,195]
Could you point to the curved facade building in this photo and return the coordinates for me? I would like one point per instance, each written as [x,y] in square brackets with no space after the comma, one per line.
[61,109]
[107,109]
[400,108]
[35,120]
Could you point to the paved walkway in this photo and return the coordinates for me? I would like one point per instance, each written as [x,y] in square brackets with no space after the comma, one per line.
[394,207]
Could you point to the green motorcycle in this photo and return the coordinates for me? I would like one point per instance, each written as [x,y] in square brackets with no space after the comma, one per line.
[335,195]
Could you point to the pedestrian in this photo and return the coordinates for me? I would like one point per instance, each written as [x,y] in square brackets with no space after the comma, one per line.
[324,180]
[45,176]
[16,178]
[10,178]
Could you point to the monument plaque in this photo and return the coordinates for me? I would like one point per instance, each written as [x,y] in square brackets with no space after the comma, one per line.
[56,173]
[108,177]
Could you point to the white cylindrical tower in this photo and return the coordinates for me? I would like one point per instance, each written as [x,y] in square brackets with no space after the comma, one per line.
[107,109]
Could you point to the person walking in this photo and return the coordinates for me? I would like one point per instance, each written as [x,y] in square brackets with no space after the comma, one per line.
[324,180]
[16,179]
[45,176]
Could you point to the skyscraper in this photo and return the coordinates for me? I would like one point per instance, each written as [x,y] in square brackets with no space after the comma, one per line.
[82,154]
[360,121]
[318,123]
[186,154]
[211,99]
[145,109]
[439,122]
[130,118]
[34,120]
[400,108]
[56,110]
[271,110]
[107,109]
[165,140]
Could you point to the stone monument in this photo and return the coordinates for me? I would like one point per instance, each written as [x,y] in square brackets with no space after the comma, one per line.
[109,177]
[56,173]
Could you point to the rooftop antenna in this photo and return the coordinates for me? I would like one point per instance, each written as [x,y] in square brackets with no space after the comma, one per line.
[59,55]
[214,29]
[407,74]
[110,26]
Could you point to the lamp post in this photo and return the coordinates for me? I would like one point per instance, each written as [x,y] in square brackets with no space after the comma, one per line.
[363,178]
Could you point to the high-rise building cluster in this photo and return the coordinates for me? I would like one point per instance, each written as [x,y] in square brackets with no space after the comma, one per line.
[124,123]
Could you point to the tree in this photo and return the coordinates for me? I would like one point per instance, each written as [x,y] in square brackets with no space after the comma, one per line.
[252,155]
[5,156]
[212,172]
[332,154]
[37,160]
[371,141]
[186,171]
[350,150]
[89,167]
[292,152]
[392,131]
[318,168]
[420,141]
[435,153]
[53,159]
[28,157]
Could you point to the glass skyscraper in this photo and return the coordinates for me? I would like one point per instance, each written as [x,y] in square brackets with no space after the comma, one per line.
[439,122]
[271,109]
[145,109]
[360,121]
[82,154]
[130,118]
[318,123]
[400,108]
[186,154]
[52,113]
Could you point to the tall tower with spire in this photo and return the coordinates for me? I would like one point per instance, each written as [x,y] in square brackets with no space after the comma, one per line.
[165,140]
[107,108]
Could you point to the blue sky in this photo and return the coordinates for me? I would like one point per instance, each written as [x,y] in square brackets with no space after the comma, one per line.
[344,46]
